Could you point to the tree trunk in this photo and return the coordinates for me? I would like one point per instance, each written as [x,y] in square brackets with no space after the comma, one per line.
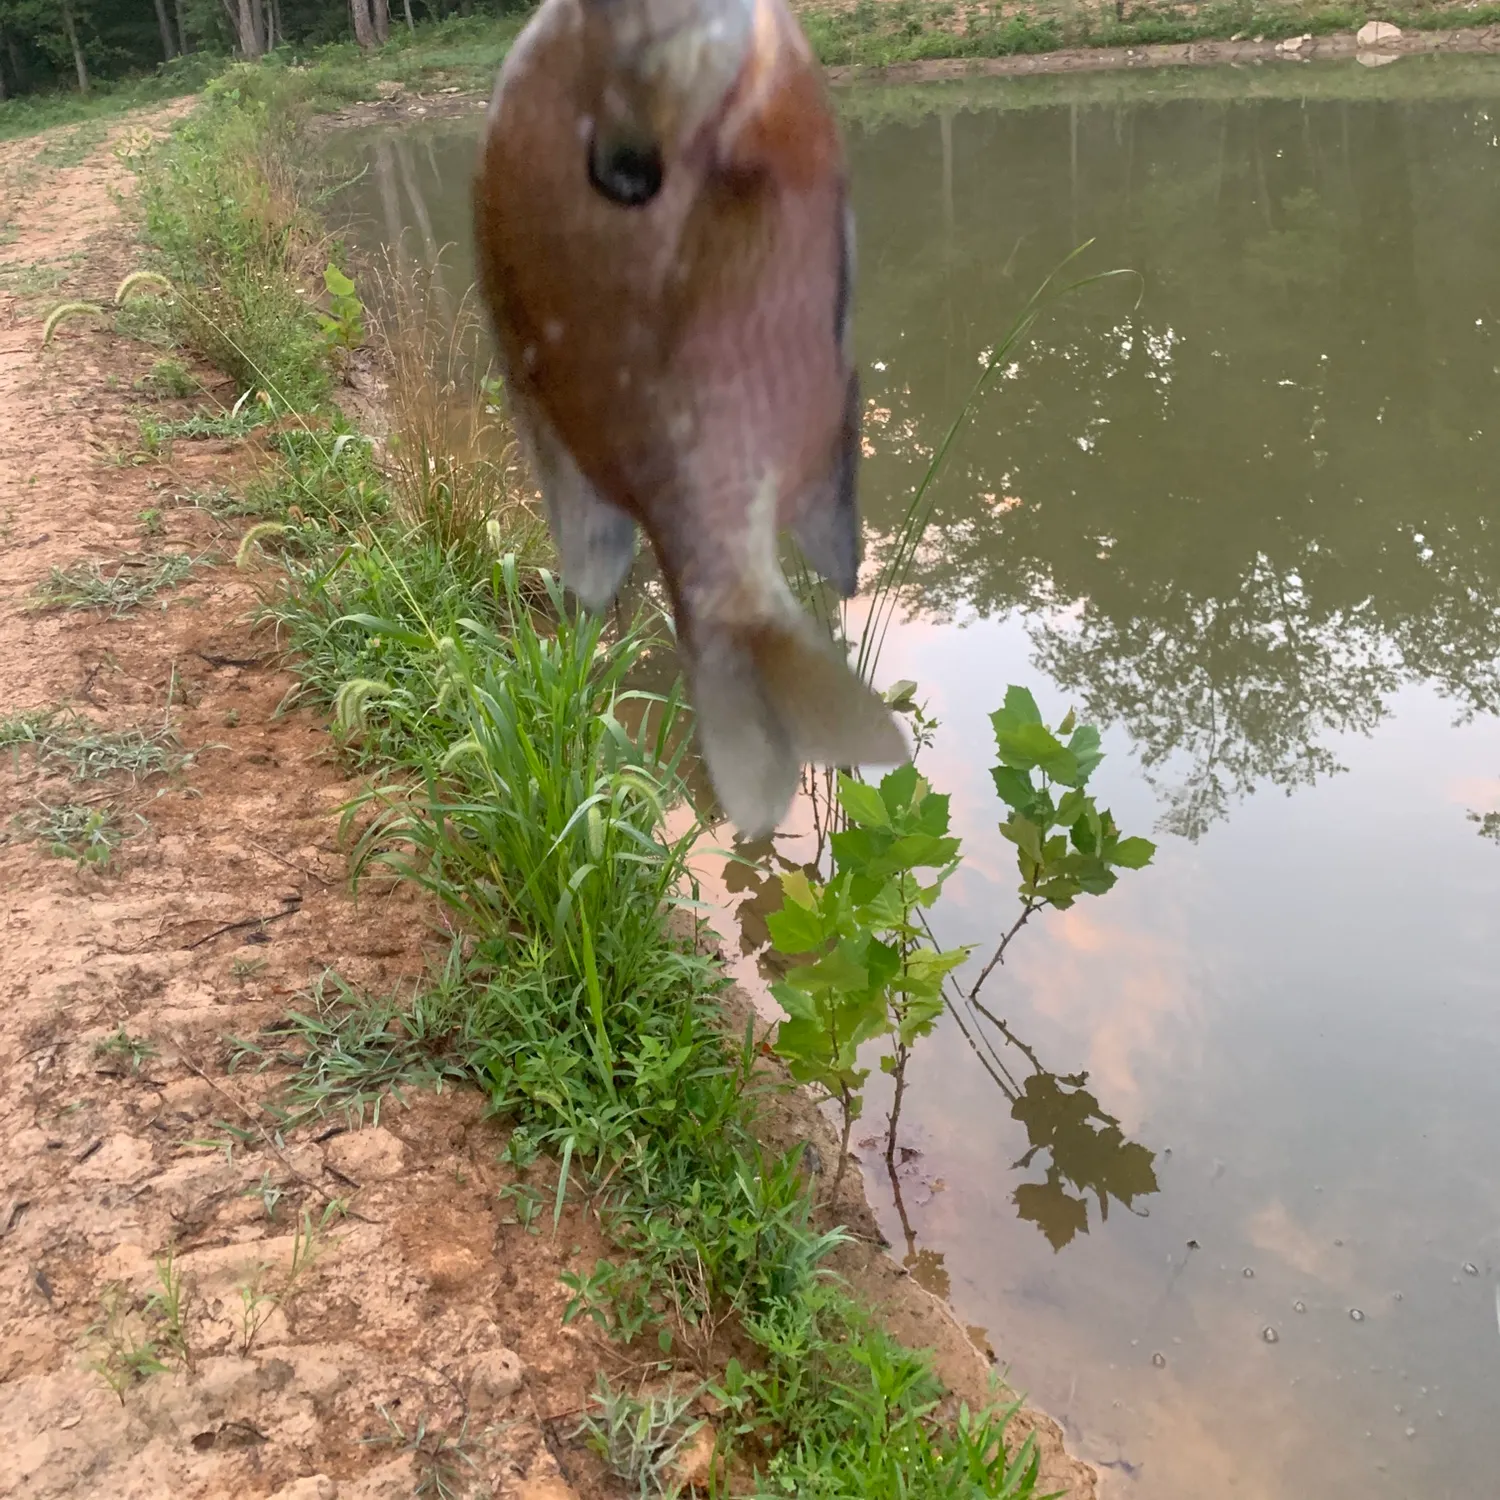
[364,32]
[17,68]
[71,28]
[275,6]
[410,24]
[380,16]
[247,29]
[3,95]
[163,25]
[182,37]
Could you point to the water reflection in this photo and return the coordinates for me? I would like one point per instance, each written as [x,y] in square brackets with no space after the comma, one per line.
[1265,500]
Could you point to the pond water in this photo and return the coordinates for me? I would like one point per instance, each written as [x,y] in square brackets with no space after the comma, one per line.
[1224,1190]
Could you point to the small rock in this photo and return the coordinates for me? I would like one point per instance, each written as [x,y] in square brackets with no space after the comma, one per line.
[313,1487]
[496,1377]
[452,1267]
[396,1480]
[1376,33]
[694,1467]
[121,1159]
[545,1487]
[367,1155]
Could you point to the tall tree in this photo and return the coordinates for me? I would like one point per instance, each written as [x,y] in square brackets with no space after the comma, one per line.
[164,25]
[70,26]
[364,28]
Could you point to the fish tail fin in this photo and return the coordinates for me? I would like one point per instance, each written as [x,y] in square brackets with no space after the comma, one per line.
[771,695]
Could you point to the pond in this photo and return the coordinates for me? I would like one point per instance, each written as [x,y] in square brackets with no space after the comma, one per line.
[1223,1192]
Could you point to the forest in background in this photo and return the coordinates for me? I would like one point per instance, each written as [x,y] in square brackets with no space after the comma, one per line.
[47,44]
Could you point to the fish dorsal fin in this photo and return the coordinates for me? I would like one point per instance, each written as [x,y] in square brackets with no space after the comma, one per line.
[828,528]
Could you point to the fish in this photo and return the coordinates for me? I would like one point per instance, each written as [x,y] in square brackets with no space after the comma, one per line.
[665,246]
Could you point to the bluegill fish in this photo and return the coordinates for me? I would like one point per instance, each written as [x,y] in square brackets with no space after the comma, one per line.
[666,249]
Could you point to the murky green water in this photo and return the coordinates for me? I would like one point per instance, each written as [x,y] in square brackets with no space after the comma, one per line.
[1252,526]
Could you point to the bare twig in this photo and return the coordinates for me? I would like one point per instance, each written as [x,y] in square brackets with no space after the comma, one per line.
[291,910]
[999,955]
[290,864]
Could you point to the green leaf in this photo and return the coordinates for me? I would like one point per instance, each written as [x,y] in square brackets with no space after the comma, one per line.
[1025,835]
[1086,751]
[797,888]
[337,283]
[862,803]
[1032,745]
[1069,720]
[1020,708]
[1072,807]
[1133,854]
[901,696]
[794,929]
[899,787]
[1014,786]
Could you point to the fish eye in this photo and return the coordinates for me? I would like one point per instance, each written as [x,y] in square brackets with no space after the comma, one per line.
[626,172]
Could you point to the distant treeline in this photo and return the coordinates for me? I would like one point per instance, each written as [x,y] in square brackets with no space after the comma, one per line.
[46,44]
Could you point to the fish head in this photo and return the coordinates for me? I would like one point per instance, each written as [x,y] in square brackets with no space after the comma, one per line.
[657,73]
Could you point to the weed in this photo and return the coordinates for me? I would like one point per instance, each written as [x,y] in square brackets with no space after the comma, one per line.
[241,969]
[120,1046]
[64,739]
[350,1053]
[151,521]
[437,1454]
[86,585]
[158,436]
[62,312]
[261,1294]
[221,203]
[125,1353]
[70,150]
[167,1307]
[454,465]
[87,835]
[32,280]
[640,1437]
[343,325]
[170,379]
[270,1193]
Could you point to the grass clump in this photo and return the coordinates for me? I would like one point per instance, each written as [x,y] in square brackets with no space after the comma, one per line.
[223,205]
[85,833]
[64,739]
[454,466]
[116,589]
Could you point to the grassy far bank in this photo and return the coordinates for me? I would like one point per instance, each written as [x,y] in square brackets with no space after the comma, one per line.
[463,53]
[517,776]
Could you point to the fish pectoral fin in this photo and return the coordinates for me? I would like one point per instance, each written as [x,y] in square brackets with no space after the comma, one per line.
[596,540]
[828,528]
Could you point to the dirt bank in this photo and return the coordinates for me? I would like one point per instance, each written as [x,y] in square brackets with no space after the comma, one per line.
[356,1312]
[1246,50]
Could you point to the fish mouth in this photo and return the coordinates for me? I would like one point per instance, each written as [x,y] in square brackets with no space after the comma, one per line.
[665,67]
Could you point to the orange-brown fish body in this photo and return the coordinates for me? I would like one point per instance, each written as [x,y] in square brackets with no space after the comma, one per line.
[665,246]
